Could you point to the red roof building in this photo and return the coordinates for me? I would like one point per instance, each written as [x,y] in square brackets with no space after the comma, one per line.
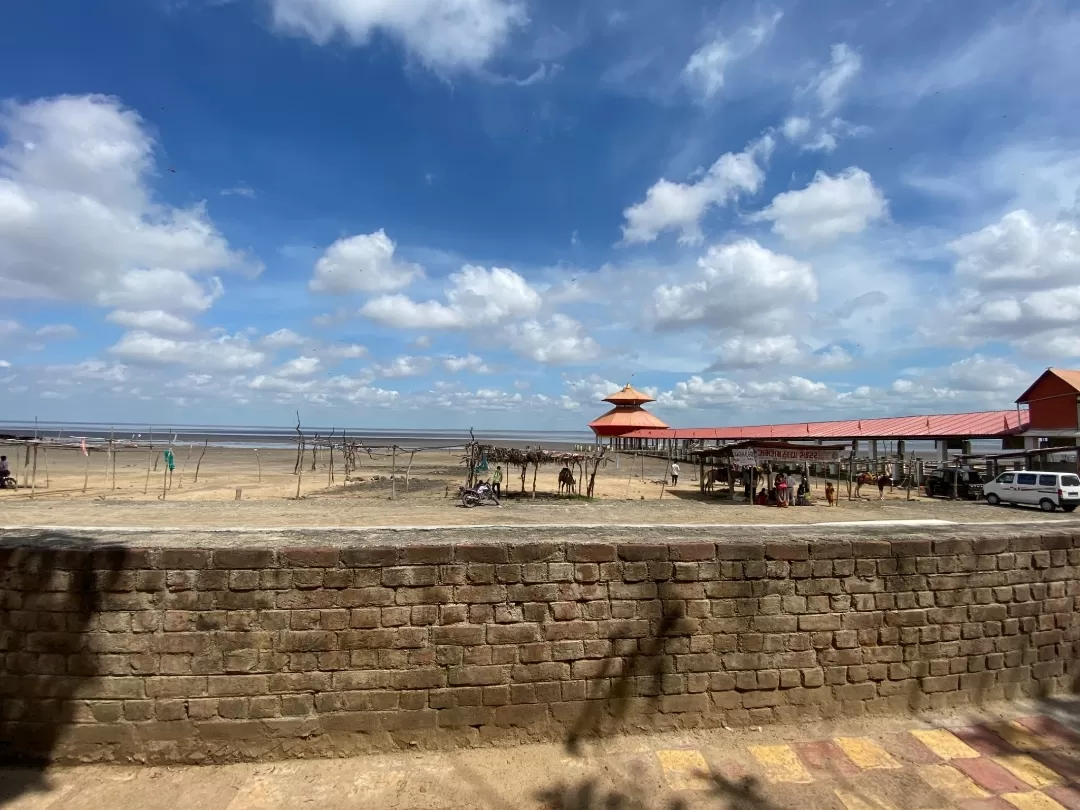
[627,416]
[1053,401]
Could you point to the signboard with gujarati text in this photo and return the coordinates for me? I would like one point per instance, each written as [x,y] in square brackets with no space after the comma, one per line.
[751,456]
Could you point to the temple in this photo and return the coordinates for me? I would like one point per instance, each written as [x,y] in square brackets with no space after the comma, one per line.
[627,415]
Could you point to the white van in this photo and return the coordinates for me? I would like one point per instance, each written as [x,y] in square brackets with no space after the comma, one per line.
[1047,490]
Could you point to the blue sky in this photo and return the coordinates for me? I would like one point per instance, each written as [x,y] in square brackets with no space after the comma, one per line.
[454,212]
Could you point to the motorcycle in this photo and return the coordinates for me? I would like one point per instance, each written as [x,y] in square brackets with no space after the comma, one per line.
[477,496]
[8,482]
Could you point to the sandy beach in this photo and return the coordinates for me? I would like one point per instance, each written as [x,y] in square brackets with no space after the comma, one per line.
[412,490]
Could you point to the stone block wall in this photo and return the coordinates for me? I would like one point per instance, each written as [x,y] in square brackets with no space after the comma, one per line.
[167,654]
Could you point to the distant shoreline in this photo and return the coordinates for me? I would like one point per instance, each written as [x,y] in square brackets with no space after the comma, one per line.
[269,437]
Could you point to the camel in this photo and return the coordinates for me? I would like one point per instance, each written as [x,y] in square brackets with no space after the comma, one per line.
[566,481]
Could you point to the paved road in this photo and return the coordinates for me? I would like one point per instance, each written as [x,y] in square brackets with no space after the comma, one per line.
[1014,758]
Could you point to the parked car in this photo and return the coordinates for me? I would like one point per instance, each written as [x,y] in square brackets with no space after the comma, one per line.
[968,483]
[1047,490]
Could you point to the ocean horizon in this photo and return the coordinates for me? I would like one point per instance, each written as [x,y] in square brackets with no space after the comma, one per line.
[218,435]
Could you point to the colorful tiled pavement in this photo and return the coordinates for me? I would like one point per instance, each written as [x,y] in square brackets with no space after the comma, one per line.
[1007,763]
[1032,763]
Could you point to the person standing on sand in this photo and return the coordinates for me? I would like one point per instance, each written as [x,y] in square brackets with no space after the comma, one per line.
[674,473]
[496,482]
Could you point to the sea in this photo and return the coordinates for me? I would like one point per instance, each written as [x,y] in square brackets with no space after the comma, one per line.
[244,436]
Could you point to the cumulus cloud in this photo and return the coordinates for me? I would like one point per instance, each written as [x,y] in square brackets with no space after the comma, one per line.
[224,353]
[737,285]
[705,71]
[1017,279]
[826,209]
[469,363]
[681,206]
[78,221]
[282,339]
[151,320]
[475,297]
[300,367]
[442,34]
[560,340]
[405,366]
[364,263]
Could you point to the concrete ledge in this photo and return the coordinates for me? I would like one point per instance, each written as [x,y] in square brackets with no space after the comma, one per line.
[220,646]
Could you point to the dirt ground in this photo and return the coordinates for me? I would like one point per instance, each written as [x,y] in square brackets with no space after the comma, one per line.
[417,490]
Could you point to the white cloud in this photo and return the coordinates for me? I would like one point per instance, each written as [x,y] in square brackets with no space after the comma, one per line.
[152,320]
[57,331]
[795,127]
[9,327]
[363,263]
[1020,252]
[469,363]
[591,390]
[282,339]
[224,353]
[559,341]
[831,83]
[300,367]
[442,34]
[740,285]
[476,297]
[167,290]
[706,68]
[96,370]
[77,217]
[681,206]
[1017,279]
[343,351]
[421,342]
[404,367]
[773,351]
[826,209]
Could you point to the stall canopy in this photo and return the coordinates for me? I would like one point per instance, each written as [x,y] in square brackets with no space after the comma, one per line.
[753,453]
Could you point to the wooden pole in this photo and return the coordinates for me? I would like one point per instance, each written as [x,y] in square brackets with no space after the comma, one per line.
[33,475]
[851,464]
[45,458]
[910,475]
[26,469]
[259,462]
[198,464]
[536,469]
[113,449]
[187,458]
[86,472]
[409,469]
[164,481]
[393,474]
[149,465]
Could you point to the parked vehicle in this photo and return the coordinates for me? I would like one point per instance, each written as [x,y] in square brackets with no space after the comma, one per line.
[1047,490]
[967,482]
[478,496]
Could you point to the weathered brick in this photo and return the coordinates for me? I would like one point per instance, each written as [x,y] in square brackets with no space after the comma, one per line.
[310,557]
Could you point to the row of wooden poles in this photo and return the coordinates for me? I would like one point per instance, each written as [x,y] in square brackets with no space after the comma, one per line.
[27,477]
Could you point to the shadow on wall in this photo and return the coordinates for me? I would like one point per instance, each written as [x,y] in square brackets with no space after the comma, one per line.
[50,595]
[647,662]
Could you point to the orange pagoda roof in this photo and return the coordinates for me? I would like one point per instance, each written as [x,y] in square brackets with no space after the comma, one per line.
[622,418]
[629,396]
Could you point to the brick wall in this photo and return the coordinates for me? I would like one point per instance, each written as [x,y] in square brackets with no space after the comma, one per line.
[212,654]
